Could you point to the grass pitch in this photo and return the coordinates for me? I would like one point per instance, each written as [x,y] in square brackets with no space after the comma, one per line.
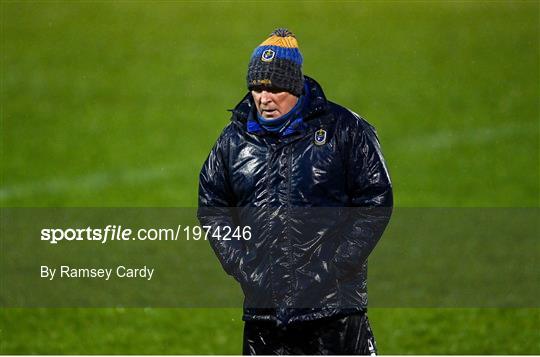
[118,104]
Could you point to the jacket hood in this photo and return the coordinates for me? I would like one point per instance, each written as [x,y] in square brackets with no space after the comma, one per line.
[317,103]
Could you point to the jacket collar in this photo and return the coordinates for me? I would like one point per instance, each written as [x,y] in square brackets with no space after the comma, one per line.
[317,104]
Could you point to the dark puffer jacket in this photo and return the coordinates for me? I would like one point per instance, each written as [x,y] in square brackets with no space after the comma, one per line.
[317,202]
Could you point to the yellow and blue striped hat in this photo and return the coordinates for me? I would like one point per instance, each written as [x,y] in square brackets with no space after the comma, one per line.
[277,64]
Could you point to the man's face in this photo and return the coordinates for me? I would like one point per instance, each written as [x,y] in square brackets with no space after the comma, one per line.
[272,104]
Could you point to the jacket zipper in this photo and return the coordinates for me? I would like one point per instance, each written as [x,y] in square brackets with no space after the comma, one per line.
[268,163]
[294,277]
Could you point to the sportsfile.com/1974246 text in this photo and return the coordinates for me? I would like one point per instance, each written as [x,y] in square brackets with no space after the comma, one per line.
[120,233]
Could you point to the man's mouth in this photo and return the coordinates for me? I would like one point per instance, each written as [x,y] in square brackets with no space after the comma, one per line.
[269,112]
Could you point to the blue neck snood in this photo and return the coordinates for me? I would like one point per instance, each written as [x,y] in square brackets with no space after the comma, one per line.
[281,123]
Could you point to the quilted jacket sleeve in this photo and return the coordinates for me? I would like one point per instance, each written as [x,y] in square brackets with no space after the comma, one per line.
[370,198]
[215,211]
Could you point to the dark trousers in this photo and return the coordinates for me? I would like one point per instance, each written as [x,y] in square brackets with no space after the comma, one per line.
[349,335]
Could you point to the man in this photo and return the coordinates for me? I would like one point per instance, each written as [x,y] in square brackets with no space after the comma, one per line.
[308,178]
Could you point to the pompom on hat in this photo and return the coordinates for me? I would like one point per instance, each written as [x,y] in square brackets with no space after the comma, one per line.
[277,64]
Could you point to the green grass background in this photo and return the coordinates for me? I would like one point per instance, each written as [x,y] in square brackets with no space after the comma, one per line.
[118,103]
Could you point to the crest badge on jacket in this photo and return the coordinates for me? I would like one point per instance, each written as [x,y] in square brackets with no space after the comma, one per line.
[320,137]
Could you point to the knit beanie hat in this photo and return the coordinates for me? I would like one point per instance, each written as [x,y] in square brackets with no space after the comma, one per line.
[277,64]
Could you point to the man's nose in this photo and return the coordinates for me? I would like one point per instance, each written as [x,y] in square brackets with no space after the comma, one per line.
[266,97]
